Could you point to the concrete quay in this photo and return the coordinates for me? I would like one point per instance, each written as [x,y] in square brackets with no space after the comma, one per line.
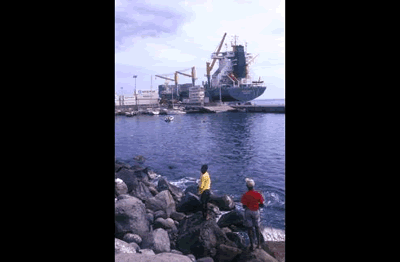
[261,108]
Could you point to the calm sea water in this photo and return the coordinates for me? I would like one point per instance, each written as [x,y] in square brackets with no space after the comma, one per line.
[235,145]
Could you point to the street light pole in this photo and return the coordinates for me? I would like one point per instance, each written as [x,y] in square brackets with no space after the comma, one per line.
[137,108]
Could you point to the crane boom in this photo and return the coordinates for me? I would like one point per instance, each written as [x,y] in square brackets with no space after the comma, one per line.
[219,48]
[183,74]
[210,67]
[163,77]
[248,63]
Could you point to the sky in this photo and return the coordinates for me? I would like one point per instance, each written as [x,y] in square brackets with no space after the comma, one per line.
[161,37]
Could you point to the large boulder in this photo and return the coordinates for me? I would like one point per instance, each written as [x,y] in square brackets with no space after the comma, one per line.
[140,172]
[235,217]
[192,189]
[120,187]
[224,202]
[132,238]
[141,191]
[205,259]
[258,255]
[177,216]
[136,181]
[241,239]
[175,191]
[162,201]
[164,223]
[157,240]
[275,248]
[129,177]
[130,216]
[189,203]
[200,237]
[226,253]
[162,257]
[123,247]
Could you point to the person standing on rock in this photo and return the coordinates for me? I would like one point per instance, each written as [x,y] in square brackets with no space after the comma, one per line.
[252,201]
[204,189]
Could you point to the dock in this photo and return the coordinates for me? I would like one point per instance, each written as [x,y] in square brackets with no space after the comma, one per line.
[218,108]
[261,108]
[213,108]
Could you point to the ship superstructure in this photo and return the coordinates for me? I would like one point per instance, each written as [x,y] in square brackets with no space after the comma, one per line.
[232,80]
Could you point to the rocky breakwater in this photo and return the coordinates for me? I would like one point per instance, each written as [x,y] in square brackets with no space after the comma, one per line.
[157,221]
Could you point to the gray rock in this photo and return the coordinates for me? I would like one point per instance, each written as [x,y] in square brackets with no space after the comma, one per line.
[255,256]
[135,246]
[120,187]
[151,174]
[160,213]
[200,237]
[140,173]
[192,257]
[178,216]
[227,253]
[128,176]
[164,223]
[162,257]
[226,230]
[157,240]
[153,190]
[175,191]
[205,259]
[130,216]
[162,201]
[135,179]
[150,217]
[225,202]
[171,257]
[235,217]
[129,238]
[174,251]
[147,251]
[192,189]
[213,210]
[241,239]
[275,248]
[123,247]
[189,203]
[141,191]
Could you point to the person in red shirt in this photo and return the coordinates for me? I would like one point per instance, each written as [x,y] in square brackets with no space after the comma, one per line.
[252,201]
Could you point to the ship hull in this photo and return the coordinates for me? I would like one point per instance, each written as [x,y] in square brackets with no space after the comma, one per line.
[233,94]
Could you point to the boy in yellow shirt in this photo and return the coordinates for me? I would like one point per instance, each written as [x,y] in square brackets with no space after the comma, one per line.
[204,189]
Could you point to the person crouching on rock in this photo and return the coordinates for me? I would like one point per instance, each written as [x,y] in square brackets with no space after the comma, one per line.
[251,201]
[204,189]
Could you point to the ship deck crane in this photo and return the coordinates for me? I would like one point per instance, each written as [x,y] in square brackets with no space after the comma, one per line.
[249,63]
[210,67]
[192,75]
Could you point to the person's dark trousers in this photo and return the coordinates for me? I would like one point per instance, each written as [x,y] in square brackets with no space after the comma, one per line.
[204,198]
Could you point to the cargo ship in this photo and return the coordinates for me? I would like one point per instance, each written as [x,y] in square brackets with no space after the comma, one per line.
[231,82]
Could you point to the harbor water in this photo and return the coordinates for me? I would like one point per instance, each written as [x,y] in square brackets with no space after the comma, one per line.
[235,145]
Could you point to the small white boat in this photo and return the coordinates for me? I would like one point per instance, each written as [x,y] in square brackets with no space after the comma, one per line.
[176,112]
[129,114]
[169,118]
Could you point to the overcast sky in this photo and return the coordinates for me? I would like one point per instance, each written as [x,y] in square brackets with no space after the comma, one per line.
[161,37]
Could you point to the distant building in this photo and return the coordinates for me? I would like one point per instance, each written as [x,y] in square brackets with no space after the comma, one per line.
[143,97]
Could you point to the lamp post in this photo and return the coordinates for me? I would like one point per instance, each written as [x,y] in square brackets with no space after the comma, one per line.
[137,109]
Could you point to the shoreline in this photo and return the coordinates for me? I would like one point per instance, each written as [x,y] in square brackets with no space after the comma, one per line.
[157,218]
